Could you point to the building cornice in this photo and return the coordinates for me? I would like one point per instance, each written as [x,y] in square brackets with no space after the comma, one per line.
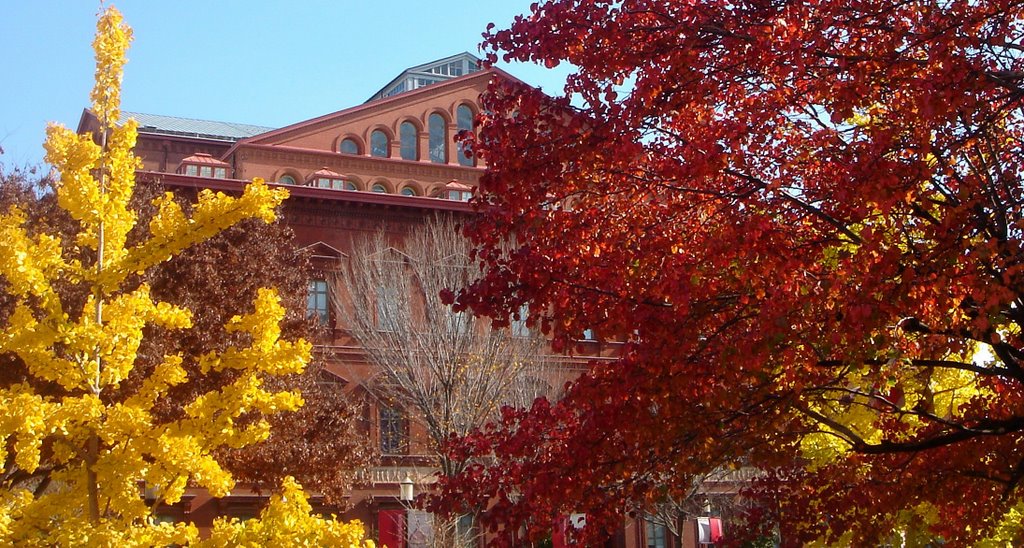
[314,158]
[354,198]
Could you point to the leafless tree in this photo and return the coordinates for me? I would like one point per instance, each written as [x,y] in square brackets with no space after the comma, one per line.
[449,370]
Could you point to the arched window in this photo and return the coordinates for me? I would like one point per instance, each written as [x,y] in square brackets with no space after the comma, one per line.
[349,185]
[348,146]
[408,139]
[379,189]
[286,180]
[438,139]
[464,121]
[408,191]
[379,145]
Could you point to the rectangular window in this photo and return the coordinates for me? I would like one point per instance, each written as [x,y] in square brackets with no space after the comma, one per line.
[317,302]
[466,531]
[220,173]
[393,440]
[191,171]
[206,171]
[460,195]
[518,326]
[656,534]
[387,309]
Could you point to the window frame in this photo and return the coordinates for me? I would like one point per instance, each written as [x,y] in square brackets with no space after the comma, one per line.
[437,138]
[461,125]
[393,430]
[316,288]
[409,146]
[354,144]
[375,147]
[656,534]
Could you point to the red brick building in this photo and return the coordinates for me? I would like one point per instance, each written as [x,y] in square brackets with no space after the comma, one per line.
[391,162]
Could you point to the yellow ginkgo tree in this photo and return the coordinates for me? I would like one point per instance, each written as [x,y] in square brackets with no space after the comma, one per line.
[81,411]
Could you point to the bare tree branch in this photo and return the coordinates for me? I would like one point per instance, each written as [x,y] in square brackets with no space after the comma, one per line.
[451,371]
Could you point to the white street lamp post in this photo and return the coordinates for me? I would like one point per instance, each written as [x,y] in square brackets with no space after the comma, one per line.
[405,493]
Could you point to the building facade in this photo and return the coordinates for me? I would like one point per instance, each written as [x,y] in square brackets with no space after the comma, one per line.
[392,162]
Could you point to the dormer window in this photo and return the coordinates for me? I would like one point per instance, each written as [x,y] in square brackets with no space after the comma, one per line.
[457,191]
[325,178]
[325,182]
[201,164]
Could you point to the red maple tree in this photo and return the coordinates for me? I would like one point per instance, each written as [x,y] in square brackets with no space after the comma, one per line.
[804,219]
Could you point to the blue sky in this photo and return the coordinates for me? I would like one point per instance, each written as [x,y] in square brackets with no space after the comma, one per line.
[259,62]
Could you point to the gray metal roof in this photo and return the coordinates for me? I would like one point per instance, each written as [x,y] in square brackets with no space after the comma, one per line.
[207,129]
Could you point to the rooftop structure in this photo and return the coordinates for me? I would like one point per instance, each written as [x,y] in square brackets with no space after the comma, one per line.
[429,73]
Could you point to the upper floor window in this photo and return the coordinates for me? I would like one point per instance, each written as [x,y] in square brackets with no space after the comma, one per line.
[393,438]
[656,533]
[202,164]
[448,69]
[408,191]
[518,324]
[336,184]
[286,180]
[390,314]
[408,137]
[457,191]
[325,178]
[379,189]
[399,88]
[317,301]
[348,146]
[464,121]
[379,144]
[349,185]
[206,171]
[420,81]
[438,143]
